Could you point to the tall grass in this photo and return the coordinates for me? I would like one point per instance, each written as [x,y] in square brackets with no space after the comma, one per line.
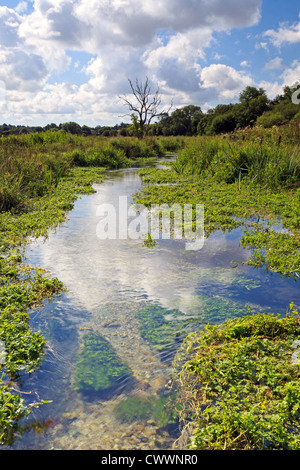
[266,163]
[32,165]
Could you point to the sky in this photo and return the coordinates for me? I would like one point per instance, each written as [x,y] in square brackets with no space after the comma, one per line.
[70,60]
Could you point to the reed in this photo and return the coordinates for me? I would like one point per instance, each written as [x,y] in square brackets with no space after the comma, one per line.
[264,163]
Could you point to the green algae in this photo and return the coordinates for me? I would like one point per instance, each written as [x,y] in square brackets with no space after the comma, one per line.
[158,408]
[98,367]
[163,328]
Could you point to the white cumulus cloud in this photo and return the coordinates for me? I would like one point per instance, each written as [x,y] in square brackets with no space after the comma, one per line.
[285,34]
[166,40]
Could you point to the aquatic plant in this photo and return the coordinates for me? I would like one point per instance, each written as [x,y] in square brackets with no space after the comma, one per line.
[159,408]
[238,385]
[98,366]
[163,328]
[133,409]
[231,205]
[12,410]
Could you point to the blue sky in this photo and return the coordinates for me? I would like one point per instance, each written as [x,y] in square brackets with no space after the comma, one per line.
[63,60]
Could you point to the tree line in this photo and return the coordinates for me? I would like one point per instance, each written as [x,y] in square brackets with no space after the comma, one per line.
[253,108]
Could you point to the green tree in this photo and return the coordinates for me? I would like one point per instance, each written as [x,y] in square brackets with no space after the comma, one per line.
[86,130]
[223,123]
[203,124]
[270,118]
[249,109]
[72,127]
[251,93]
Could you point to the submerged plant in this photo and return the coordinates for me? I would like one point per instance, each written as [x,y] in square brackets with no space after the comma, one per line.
[98,367]
[163,328]
[158,408]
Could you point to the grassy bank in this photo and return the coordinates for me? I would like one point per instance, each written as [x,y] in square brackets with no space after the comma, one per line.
[41,176]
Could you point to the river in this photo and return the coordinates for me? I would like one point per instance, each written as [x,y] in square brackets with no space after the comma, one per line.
[108,283]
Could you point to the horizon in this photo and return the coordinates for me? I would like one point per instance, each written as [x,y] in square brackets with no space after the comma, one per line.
[70,60]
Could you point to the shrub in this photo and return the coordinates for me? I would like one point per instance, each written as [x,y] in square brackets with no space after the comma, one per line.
[269,119]
[223,123]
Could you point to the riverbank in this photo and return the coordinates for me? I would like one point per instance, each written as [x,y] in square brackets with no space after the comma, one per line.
[239,385]
[251,183]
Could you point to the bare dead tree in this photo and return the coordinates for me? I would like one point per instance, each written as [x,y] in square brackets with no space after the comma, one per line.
[146,104]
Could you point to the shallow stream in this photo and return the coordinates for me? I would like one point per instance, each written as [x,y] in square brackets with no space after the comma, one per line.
[110,282]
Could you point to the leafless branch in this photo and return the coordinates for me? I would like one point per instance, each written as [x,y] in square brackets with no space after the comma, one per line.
[146,104]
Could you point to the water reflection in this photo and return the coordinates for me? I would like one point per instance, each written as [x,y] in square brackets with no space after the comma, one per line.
[109,282]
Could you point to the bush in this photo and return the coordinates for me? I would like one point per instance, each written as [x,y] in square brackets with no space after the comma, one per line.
[223,123]
[297,117]
[269,119]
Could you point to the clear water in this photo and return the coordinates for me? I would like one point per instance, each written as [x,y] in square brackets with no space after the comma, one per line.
[109,282]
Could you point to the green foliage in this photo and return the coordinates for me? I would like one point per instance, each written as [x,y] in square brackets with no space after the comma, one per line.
[98,366]
[107,157]
[270,118]
[297,116]
[135,149]
[133,409]
[20,289]
[247,112]
[265,163]
[250,93]
[12,409]
[183,121]
[239,386]
[223,123]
